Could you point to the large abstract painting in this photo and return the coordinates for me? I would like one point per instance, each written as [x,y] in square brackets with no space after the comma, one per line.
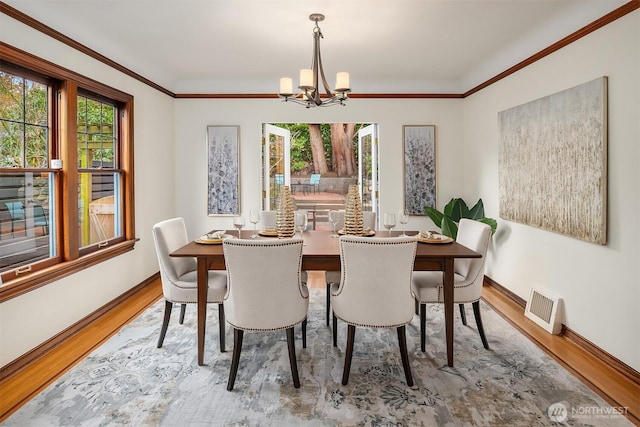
[223,170]
[419,168]
[553,162]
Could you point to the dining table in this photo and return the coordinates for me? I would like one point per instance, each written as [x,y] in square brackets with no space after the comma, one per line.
[322,252]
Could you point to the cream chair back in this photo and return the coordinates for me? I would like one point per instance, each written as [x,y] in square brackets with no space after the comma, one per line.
[264,289]
[375,289]
[168,236]
[369,220]
[268,220]
[476,236]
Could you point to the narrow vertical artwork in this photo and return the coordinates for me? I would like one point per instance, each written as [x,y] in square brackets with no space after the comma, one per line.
[419,168]
[553,162]
[223,170]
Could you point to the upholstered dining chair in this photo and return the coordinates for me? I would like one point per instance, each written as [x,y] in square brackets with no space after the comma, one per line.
[180,276]
[469,275]
[375,290]
[265,293]
[368,221]
[268,220]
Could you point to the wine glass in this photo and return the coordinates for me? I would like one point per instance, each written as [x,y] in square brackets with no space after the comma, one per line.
[403,219]
[389,222]
[301,222]
[254,218]
[238,222]
[333,219]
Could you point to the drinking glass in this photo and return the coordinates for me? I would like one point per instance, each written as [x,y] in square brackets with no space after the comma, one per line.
[301,222]
[389,222]
[254,218]
[403,219]
[333,219]
[238,222]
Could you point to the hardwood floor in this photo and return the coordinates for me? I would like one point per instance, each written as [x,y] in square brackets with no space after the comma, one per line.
[15,390]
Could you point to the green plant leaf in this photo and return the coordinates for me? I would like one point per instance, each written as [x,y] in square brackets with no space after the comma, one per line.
[477,211]
[435,215]
[449,227]
[491,222]
[459,210]
[448,209]
[455,210]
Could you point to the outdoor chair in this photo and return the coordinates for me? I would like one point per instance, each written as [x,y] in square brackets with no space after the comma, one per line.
[314,182]
[16,211]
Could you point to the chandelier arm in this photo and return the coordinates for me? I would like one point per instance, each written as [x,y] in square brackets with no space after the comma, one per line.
[316,64]
[324,79]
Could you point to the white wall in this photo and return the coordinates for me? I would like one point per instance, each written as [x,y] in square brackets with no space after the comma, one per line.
[28,320]
[600,284]
[193,116]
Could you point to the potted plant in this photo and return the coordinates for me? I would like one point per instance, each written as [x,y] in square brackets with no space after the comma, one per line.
[454,211]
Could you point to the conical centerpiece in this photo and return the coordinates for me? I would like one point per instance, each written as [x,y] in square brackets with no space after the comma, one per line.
[285,221]
[353,223]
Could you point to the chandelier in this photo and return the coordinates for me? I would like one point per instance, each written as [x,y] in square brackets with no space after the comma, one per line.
[309,94]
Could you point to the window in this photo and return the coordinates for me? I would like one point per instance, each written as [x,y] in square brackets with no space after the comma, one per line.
[99,178]
[56,219]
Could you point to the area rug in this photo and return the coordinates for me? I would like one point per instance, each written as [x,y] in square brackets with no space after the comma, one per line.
[128,381]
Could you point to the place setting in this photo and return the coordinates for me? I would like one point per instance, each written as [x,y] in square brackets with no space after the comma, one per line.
[431,237]
[212,238]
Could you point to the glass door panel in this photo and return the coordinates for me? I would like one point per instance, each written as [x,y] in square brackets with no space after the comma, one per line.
[368,167]
[276,163]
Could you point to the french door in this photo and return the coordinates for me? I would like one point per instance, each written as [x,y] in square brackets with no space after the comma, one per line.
[368,167]
[276,166]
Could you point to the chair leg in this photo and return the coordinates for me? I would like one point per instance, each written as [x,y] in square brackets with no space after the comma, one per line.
[235,359]
[335,330]
[423,325]
[183,310]
[291,343]
[351,333]
[402,342]
[304,333]
[328,302]
[417,306]
[221,327]
[476,313]
[168,306]
[463,315]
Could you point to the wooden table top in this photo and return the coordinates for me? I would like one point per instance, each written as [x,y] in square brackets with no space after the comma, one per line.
[322,252]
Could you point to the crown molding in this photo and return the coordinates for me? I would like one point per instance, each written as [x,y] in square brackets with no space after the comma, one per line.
[599,23]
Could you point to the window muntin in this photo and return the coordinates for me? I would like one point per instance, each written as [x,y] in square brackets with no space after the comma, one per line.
[24,109]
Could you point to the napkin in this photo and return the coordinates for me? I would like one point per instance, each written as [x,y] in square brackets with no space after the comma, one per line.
[214,235]
[426,234]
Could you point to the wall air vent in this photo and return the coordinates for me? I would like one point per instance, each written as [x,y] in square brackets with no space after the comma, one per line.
[545,309]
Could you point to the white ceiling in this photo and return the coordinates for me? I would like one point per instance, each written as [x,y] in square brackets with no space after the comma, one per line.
[245,46]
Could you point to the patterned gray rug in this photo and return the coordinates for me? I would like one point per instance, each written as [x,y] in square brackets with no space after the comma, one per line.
[128,381]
